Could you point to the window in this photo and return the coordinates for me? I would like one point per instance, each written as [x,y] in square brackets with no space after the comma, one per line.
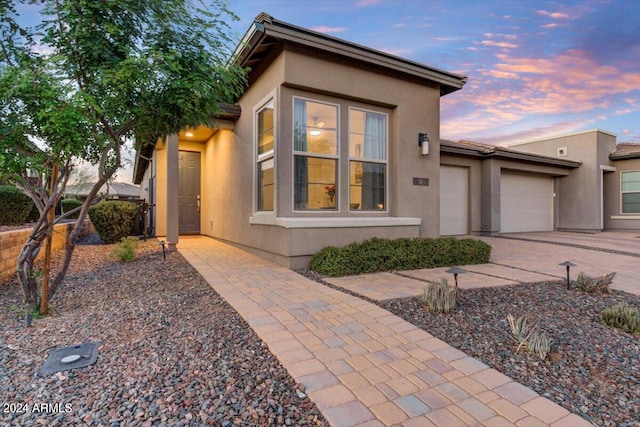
[367,160]
[315,150]
[630,191]
[265,144]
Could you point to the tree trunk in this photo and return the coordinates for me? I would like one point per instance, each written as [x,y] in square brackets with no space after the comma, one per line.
[26,275]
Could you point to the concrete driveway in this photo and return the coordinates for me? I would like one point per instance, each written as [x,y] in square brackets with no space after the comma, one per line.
[520,258]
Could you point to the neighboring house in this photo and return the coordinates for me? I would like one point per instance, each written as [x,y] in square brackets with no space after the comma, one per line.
[323,149]
[113,190]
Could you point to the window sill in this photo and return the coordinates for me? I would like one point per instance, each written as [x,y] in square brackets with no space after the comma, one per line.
[627,216]
[341,222]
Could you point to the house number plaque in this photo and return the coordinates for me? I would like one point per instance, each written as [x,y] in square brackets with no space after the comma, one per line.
[421,181]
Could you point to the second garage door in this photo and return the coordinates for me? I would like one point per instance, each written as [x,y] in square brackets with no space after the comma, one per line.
[526,203]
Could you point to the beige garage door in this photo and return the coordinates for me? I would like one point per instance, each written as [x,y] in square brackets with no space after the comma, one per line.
[526,203]
[454,201]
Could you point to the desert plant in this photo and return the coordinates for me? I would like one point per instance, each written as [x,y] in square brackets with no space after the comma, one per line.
[527,336]
[440,297]
[378,254]
[15,206]
[113,220]
[125,250]
[622,316]
[598,285]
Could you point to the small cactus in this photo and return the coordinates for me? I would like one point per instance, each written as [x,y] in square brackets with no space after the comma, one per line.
[440,297]
[622,316]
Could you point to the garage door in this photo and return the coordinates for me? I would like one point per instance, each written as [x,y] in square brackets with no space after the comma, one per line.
[526,203]
[454,200]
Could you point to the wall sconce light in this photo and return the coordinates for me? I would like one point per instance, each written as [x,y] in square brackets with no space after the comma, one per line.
[423,142]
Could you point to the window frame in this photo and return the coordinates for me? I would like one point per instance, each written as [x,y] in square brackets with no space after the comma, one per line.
[335,157]
[623,192]
[363,159]
[261,158]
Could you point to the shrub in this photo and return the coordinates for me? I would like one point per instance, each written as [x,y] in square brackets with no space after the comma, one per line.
[378,254]
[70,204]
[15,206]
[113,220]
[622,316]
[598,285]
[440,297]
[34,214]
[125,249]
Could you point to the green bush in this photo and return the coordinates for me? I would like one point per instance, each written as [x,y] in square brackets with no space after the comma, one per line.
[622,316]
[70,204]
[125,250]
[34,214]
[378,254]
[113,220]
[15,206]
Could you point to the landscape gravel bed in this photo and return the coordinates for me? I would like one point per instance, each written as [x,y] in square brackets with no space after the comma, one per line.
[593,370]
[173,352]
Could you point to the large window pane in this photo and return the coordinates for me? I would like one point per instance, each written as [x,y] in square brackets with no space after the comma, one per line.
[631,203]
[314,183]
[315,127]
[367,135]
[367,186]
[265,185]
[631,181]
[265,129]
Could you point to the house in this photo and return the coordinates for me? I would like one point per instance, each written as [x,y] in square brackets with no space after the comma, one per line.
[111,190]
[333,142]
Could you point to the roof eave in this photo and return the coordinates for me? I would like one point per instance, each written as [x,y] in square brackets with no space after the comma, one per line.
[508,154]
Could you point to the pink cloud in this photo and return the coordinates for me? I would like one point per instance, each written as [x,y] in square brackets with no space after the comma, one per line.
[499,44]
[554,15]
[366,2]
[326,29]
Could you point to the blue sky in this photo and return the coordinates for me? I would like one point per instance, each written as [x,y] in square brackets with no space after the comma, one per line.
[535,68]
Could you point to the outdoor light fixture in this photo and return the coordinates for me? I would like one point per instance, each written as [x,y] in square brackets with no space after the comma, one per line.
[423,142]
[568,264]
[188,134]
[164,250]
[455,271]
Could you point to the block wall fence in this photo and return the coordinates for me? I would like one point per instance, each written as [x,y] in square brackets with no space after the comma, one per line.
[12,241]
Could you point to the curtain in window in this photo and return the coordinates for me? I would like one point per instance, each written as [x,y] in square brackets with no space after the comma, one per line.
[373,175]
[301,180]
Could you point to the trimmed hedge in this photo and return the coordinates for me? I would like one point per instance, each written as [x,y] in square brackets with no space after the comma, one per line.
[378,254]
[70,204]
[15,206]
[113,220]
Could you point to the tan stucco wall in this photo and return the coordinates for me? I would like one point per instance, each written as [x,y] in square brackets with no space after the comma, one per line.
[580,193]
[613,216]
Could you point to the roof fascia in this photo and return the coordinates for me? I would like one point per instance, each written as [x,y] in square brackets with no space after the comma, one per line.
[510,155]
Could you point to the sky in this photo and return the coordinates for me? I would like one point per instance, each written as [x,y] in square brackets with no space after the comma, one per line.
[535,69]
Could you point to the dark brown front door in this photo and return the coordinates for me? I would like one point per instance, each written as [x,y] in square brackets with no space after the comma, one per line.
[189,192]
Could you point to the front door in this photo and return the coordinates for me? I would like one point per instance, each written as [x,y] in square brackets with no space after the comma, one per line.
[189,192]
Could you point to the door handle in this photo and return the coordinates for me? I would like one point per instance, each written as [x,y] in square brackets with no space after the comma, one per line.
[198,202]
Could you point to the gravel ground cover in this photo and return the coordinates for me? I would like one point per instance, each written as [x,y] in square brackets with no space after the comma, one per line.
[173,352]
[593,370]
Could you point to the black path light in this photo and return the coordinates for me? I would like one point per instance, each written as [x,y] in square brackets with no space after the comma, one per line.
[568,264]
[455,271]
[164,250]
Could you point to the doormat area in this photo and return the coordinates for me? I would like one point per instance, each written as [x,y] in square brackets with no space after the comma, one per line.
[72,357]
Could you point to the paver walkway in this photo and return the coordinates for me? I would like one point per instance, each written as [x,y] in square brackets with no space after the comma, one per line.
[360,364]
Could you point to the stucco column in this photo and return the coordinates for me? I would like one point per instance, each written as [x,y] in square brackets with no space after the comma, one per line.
[172,192]
[490,199]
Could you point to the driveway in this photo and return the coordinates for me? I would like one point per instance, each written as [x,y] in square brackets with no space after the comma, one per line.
[594,254]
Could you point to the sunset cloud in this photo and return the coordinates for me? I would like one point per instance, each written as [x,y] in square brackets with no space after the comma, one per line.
[553,15]
[326,29]
[504,45]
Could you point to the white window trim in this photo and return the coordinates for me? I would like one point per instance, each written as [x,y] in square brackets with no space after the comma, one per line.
[259,158]
[367,160]
[335,157]
[626,215]
[265,218]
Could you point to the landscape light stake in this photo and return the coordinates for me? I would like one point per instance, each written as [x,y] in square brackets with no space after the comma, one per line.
[568,264]
[455,271]
[164,251]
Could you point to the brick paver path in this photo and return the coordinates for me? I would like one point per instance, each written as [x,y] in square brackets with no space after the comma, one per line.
[360,364]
